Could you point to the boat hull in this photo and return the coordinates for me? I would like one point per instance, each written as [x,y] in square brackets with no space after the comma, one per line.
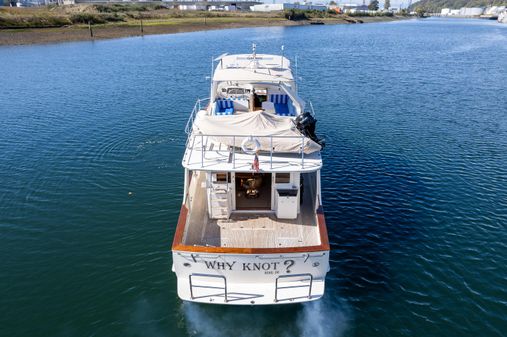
[250,279]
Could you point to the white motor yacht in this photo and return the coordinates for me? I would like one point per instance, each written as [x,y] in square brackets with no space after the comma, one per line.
[251,229]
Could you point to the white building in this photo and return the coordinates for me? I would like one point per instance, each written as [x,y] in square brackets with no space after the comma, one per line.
[445,11]
[472,11]
[267,8]
[281,7]
[494,10]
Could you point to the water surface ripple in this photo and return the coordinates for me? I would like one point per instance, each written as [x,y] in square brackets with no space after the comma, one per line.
[414,183]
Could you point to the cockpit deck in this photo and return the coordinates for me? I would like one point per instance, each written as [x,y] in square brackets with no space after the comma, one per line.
[251,229]
[243,230]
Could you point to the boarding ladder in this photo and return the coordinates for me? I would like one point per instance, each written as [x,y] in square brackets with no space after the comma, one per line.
[219,200]
[206,285]
[291,287]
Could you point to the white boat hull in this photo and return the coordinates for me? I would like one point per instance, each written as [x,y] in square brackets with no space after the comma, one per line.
[250,279]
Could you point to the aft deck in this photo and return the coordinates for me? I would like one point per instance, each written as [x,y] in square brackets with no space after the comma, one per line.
[250,229]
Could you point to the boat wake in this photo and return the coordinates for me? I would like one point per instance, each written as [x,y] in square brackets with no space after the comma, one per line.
[324,318]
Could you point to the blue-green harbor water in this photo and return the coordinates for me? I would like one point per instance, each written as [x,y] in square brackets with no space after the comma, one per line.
[415,181]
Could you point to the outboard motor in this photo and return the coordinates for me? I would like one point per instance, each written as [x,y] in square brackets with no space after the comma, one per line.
[305,123]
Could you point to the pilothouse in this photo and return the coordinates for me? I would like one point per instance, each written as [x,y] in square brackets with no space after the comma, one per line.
[251,228]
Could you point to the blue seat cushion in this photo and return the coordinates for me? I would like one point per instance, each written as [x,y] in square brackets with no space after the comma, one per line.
[224,107]
[282,109]
[279,99]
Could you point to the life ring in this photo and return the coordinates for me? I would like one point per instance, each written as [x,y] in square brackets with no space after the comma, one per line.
[250,145]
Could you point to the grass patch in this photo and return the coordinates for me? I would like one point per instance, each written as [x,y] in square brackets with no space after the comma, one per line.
[96,18]
[39,21]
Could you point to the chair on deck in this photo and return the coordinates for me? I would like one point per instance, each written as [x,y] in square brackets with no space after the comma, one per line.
[281,103]
[224,107]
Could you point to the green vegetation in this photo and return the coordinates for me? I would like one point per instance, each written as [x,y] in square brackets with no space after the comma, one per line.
[59,16]
[387,14]
[152,15]
[387,4]
[96,18]
[39,21]
[373,6]
[435,6]
[295,15]
[300,14]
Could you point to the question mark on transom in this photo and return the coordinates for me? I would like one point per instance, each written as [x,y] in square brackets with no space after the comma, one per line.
[288,264]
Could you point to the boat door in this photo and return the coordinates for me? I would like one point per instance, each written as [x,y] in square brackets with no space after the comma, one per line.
[253,191]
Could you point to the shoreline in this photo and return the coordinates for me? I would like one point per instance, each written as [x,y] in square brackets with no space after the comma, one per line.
[29,36]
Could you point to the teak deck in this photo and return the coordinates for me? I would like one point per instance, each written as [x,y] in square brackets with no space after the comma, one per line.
[180,228]
[259,231]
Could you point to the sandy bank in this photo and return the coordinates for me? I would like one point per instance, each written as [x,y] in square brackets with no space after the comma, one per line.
[171,26]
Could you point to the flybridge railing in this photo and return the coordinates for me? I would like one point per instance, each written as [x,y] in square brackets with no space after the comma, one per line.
[198,106]
[233,149]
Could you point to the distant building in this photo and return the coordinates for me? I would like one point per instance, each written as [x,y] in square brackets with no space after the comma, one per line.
[31,3]
[494,10]
[201,5]
[472,11]
[463,12]
[354,8]
[267,7]
[191,7]
[445,11]
[281,7]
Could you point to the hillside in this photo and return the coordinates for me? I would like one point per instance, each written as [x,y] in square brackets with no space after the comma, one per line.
[437,5]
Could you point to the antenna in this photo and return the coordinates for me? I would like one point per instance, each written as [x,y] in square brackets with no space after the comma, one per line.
[296,73]
[254,56]
[212,64]
[211,78]
[283,48]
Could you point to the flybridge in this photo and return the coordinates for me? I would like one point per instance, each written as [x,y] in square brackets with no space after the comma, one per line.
[259,68]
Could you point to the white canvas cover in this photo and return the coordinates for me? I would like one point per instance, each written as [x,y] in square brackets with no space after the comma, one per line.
[257,124]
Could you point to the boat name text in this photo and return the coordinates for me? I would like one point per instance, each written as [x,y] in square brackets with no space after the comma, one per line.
[250,266]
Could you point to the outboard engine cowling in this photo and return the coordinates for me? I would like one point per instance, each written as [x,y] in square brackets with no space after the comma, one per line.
[306,123]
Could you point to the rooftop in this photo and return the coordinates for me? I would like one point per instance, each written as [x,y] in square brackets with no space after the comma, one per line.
[253,68]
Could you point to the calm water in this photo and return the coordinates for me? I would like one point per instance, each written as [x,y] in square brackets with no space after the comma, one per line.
[415,181]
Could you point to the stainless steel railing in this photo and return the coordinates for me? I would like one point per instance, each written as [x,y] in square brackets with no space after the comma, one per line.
[193,285]
[197,107]
[232,149]
[304,277]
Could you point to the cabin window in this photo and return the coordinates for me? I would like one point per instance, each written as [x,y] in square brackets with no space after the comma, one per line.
[223,177]
[282,178]
[236,91]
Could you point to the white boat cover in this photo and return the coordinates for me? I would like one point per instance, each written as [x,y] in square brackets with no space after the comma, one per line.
[260,125]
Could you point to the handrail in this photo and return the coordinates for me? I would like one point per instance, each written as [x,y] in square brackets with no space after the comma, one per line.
[209,287]
[195,110]
[296,286]
[232,149]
